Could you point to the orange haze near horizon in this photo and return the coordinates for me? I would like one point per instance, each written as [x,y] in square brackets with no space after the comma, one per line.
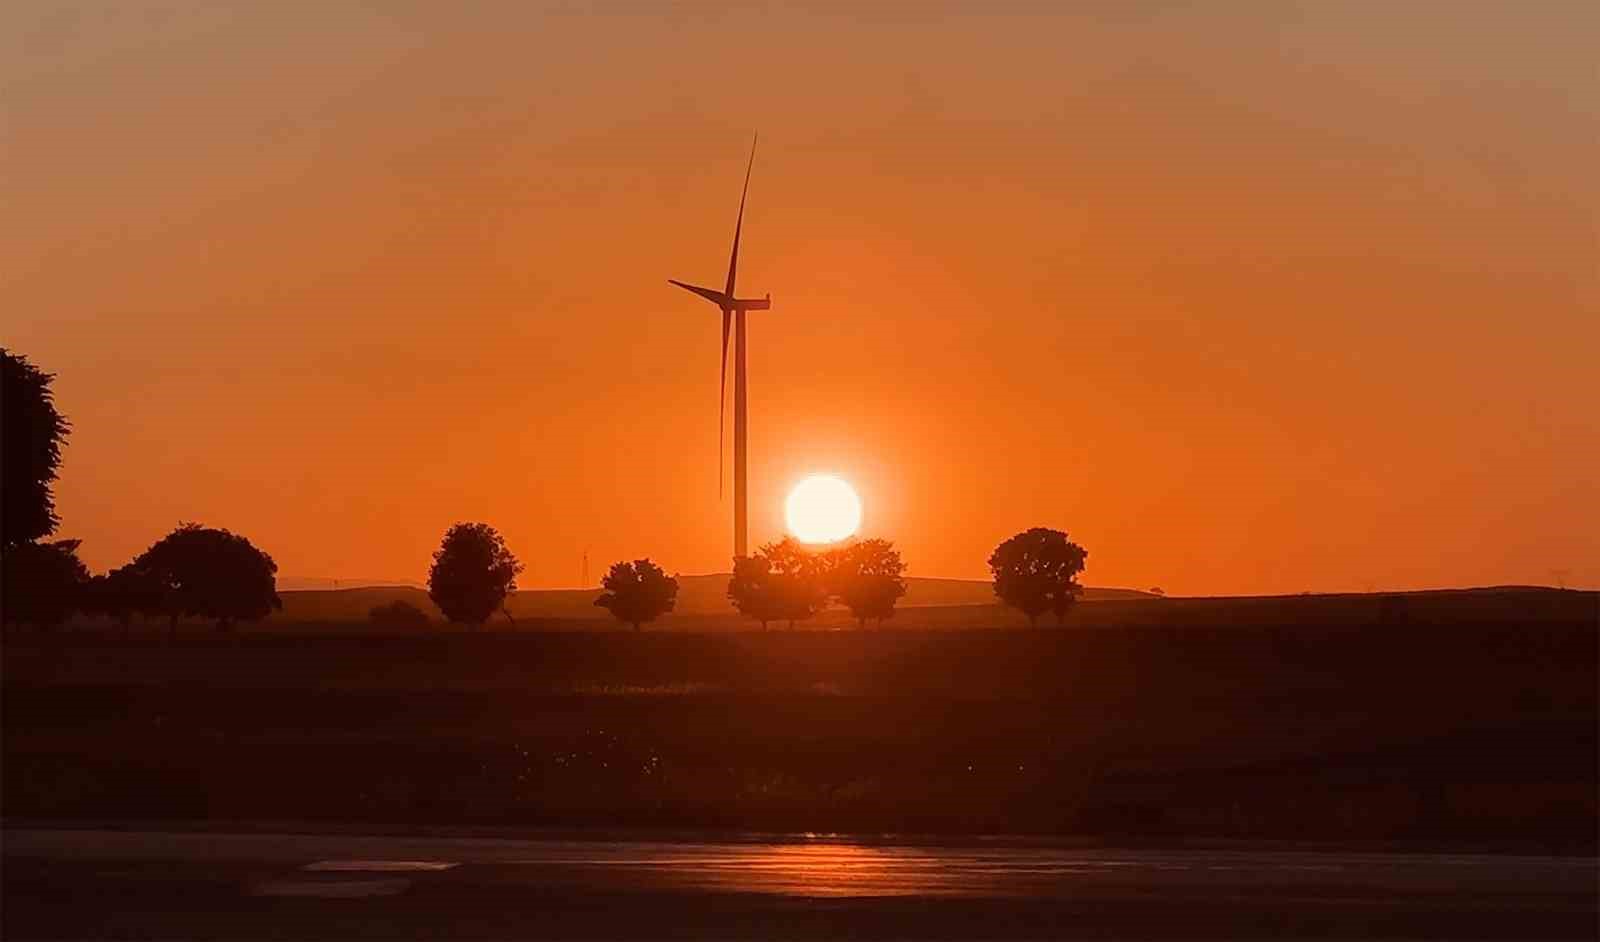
[1248,297]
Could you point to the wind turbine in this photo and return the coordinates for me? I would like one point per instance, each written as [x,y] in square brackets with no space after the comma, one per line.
[733,311]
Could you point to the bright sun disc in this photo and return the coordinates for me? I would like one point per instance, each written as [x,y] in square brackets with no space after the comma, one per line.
[822,509]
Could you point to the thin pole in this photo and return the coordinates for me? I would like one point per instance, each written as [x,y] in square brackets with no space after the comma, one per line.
[741,517]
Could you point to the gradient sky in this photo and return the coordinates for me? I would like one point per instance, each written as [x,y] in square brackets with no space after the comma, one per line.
[1248,297]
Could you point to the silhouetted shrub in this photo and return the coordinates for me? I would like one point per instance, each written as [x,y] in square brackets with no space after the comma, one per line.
[1035,572]
[398,615]
[638,592]
[472,573]
[210,573]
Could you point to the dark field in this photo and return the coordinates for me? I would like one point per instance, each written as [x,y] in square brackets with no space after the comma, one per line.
[1456,720]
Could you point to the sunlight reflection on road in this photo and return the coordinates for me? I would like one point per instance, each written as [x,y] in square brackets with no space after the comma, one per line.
[831,867]
[827,868]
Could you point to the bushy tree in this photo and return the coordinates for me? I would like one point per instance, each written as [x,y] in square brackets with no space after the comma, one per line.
[210,573]
[638,592]
[125,592]
[31,435]
[398,615]
[783,581]
[43,583]
[472,573]
[868,576]
[799,578]
[1036,572]
[751,589]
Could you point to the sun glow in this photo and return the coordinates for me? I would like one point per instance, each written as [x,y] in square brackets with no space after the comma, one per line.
[823,509]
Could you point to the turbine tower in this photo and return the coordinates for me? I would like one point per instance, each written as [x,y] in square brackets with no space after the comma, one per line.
[733,311]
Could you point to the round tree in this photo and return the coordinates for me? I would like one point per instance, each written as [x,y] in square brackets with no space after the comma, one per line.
[638,592]
[472,573]
[868,576]
[798,579]
[752,591]
[205,572]
[1036,572]
[31,434]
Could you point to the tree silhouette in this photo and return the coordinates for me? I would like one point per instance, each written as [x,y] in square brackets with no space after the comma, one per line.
[637,592]
[42,583]
[125,592]
[399,614]
[752,591]
[868,576]
[1035,572]
[210,573]
[798,576]
[472,573]
[30,451]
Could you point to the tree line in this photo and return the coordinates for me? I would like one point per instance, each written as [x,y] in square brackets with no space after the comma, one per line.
[210,573]
[783,581]
[473,572]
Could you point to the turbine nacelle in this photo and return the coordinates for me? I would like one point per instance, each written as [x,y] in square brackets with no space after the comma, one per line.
[721,299]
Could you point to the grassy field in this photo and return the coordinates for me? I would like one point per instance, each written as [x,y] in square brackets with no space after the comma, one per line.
[1460,719]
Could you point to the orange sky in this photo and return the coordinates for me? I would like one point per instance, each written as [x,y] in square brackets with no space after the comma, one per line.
[1247,297]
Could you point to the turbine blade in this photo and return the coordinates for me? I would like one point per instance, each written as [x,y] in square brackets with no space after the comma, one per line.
[733,260]
[710,294]
[722,399]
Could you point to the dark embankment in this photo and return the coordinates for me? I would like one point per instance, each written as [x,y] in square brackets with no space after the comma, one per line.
[1470,732]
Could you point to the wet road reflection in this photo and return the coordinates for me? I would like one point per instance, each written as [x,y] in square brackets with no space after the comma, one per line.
[836,869]
[827,867]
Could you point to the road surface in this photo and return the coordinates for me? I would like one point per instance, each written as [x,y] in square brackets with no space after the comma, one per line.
[61,884]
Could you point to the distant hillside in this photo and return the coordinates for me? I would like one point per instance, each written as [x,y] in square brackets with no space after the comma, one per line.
[697,595]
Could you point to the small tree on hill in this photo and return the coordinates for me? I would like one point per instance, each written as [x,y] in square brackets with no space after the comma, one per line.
[398,615]
[31,435]
[751,589]
[868,576]
[638,592]
[472,573]
[42,583]
[1035,572]
[210,573]
[799,580]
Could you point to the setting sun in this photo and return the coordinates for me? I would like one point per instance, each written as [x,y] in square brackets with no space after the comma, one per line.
[823,509]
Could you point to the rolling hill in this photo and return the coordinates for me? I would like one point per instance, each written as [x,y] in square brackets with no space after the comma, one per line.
[697,595]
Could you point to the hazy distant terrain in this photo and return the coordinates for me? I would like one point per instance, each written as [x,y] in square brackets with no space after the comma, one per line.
[956,604]
[697,596]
